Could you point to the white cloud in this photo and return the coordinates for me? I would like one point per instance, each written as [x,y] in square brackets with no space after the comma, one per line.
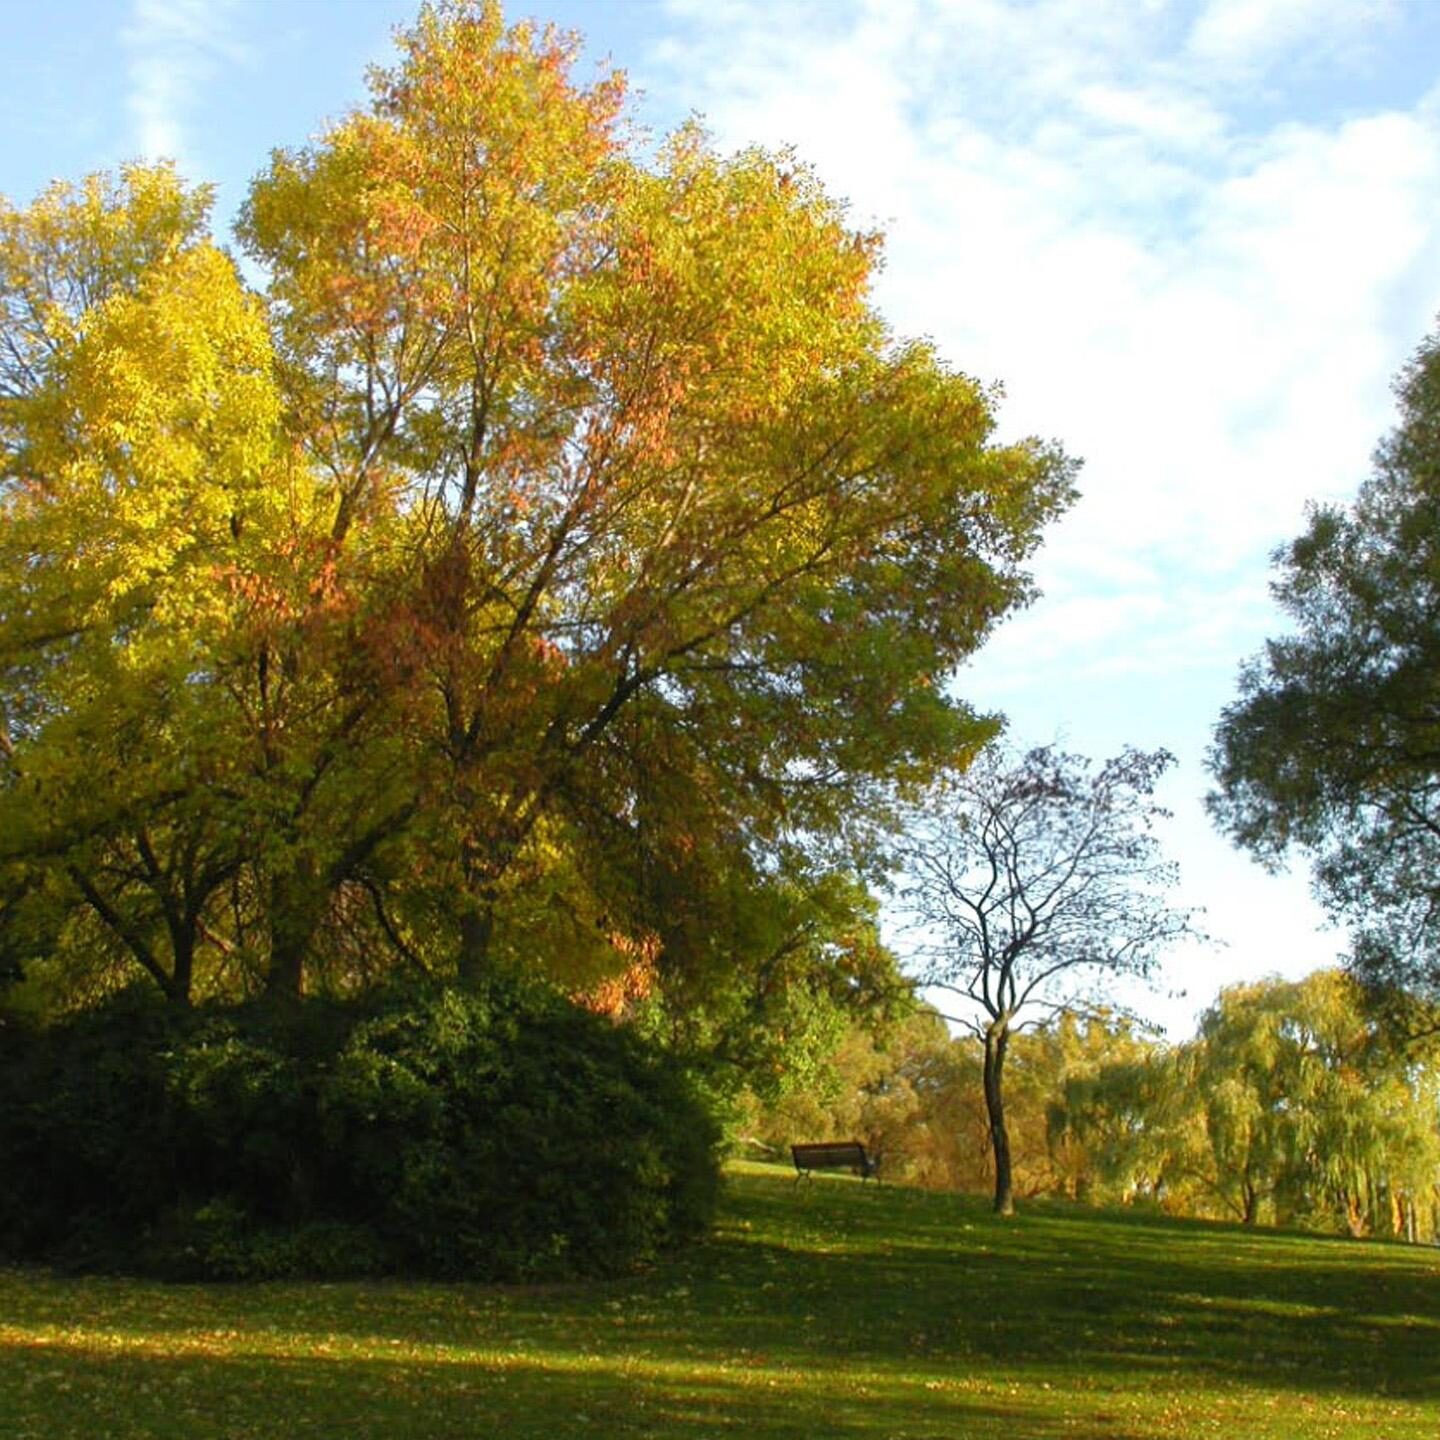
[1207,315]
[1160,117]
[173,49]
[1245,33]
[1206,306]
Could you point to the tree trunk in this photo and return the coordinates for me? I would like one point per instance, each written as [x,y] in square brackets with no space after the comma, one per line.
[1251,1197]
[997,1041]
[182,942]
[297,904]
[483,867]
[476,927]
[1355,1217]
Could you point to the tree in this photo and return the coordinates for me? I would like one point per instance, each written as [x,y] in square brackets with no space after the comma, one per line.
[567,513]
[1291,1104]
[1129,1119]
[1348,1139]
[693,535]
[1332,747]
[1026,877]
[175,695]
[1311,1107]
[138,434]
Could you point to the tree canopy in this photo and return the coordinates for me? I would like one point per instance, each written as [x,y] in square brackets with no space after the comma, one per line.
[558,532]
[1332,747]
[1293,1104]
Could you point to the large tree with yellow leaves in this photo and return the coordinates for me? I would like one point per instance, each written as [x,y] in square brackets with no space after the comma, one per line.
[560,544]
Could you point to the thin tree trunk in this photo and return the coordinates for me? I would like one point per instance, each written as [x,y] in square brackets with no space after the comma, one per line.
[1355,1216]
[997,1041]
[1251,1195]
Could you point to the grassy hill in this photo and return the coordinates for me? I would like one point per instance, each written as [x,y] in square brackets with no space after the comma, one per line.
[825,1308]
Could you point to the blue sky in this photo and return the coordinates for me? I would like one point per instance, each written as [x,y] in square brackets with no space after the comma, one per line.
[1194,239]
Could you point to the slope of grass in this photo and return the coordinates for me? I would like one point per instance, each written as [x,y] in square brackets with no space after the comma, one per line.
[823,1308]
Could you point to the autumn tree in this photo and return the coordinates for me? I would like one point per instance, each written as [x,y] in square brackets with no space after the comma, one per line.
[691,533]
[1330,748]
[138,478]
[177,690]
[1029,880]
[560,530]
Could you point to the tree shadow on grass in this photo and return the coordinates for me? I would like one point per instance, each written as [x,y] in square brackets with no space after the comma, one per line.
[72,1391]
[833,1308]
[1094,1292]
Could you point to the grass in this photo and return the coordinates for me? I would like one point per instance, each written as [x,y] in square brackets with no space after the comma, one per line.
[827,1308]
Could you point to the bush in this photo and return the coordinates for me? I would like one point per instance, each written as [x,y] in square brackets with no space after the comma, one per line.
[504,1135]
[88,1150]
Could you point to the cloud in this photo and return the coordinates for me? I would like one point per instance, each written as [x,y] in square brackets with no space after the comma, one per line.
[1163,118]
[1091,201]
[173,49]
[1204,311]
[1249,33]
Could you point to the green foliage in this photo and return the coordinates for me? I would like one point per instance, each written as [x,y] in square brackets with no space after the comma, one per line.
[1330,748]
[503,1136]
[220,1240]
[506,1134]
[1292,1105]
[759,976]
[89,1142]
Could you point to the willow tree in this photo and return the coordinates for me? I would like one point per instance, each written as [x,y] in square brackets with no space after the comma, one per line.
[561,512]
[1293,1103]
[1312,1112]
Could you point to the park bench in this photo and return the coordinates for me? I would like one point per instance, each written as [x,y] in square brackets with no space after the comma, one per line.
[834,1155]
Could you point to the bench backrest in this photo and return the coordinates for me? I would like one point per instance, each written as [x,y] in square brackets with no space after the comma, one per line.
[830,1154]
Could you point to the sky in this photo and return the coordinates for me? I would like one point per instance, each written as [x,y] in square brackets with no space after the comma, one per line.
[1193,240]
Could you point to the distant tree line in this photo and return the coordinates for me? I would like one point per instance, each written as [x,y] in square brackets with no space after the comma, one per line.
[1293,1105]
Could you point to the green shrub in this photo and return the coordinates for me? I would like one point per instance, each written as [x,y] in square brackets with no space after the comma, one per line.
[88,1139]
[220,1240]
[505,1135]
[516,1136]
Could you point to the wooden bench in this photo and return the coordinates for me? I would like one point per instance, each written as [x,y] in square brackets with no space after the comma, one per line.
[834,1155]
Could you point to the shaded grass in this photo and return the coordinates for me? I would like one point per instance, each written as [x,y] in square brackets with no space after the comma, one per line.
[823,1308]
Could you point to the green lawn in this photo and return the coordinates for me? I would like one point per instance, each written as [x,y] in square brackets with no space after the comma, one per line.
[828,1308]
